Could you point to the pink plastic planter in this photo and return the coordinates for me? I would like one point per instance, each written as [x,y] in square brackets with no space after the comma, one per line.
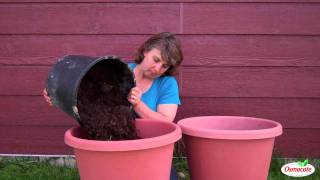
[146,158]
[229,147]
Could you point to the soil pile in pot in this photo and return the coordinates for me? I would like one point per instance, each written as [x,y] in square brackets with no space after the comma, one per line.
[103,106]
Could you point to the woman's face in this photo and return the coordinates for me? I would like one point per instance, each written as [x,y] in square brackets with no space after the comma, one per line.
[153,65]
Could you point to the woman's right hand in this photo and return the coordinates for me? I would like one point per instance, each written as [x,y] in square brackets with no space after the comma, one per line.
[46,97]
[134,96]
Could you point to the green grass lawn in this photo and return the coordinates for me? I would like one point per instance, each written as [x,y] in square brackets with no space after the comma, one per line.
[26,169]
[274,172]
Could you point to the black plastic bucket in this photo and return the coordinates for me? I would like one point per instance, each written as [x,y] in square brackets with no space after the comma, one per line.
[65,77]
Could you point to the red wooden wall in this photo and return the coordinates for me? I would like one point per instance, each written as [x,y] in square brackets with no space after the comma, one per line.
[242,57]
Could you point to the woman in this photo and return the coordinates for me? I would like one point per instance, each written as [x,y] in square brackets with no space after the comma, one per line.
[156,95]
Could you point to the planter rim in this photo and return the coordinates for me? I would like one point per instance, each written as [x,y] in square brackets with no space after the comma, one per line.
[125,145]
[189,127]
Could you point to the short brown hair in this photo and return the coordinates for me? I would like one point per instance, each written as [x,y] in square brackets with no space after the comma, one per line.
[170,49]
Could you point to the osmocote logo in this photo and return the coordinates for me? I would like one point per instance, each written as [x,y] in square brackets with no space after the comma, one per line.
[298,169]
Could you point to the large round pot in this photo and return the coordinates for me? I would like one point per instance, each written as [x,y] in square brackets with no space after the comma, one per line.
[147,158]
[229,147]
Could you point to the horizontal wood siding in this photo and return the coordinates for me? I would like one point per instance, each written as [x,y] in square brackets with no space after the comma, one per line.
[31,111]
[68,18]
[49,140]
[241,57]
[299,112]
[236,18]
[199,50]
[290,112]
[223,81]
[33,140]
[251,82]
[251,50]
[139,1]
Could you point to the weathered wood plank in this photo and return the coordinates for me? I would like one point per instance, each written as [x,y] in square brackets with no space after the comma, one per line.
[23,80]
[31,110]
[49,140]
[139,1]
[47,49]
[298,143]
[251,50]
[92,18]
[291,113]
[251,82]
[195,81]
[199,50]
[33,140]
[251,18]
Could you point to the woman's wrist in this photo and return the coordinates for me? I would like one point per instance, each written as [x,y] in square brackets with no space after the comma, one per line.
[137,104]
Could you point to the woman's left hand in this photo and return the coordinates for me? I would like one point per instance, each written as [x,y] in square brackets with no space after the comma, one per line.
[135,96]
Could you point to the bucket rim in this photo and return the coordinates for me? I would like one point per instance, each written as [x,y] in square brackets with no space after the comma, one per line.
[189,128]
[82,74]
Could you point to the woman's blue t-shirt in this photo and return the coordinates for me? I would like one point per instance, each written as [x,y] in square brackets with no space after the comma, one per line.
[164,90]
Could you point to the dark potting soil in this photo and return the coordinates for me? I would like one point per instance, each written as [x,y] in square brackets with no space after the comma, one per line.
[102,102]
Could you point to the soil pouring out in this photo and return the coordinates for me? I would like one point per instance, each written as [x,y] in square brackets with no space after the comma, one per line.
[104,110]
